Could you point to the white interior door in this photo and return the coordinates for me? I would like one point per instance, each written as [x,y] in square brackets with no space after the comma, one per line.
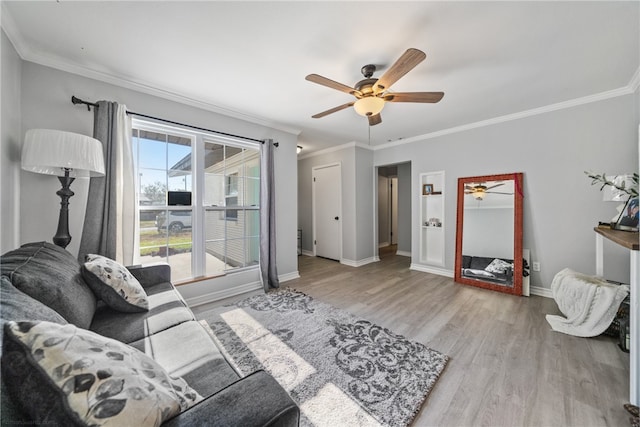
[393,182]
[327,211]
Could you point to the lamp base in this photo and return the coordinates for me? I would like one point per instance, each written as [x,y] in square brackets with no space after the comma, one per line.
[62,237]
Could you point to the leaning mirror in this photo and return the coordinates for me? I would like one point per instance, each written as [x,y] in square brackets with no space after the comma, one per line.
[489,232]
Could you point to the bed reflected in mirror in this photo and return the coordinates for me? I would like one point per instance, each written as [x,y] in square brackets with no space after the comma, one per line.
[489,232]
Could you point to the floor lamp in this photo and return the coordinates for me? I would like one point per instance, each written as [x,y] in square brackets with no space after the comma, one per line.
[67,155]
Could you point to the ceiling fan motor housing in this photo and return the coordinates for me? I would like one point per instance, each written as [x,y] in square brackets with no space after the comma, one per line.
[365,86]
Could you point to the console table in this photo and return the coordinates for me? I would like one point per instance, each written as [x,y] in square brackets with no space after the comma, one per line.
[630,241]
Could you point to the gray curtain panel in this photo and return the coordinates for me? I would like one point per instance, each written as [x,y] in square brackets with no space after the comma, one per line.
[99,231]
[268,270]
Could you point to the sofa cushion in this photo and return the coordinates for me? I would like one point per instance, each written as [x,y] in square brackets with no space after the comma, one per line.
[51,275]
[113,284]
[16,305]
[203,366]
[166,309]
[65,375]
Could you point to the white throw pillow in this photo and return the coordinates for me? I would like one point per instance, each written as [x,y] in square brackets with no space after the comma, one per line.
[65,375]
[114,284]
[498,266]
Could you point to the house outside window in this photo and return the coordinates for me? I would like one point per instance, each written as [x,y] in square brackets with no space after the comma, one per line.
[219,231]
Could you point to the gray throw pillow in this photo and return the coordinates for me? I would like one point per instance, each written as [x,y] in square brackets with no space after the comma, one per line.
[16,305]
[64,375]
[114,284]
[51,275]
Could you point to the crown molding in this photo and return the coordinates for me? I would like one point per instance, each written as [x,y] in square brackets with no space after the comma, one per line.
[351,144]
[28,54]
[516,116]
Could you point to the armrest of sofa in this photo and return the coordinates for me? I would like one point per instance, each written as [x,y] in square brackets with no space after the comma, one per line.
[151,274]
[255,400]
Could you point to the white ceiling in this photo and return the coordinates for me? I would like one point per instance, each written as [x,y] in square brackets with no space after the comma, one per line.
[492,59]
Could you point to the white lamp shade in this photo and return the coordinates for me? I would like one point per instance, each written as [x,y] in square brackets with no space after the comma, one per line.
[369,106]
[52,151]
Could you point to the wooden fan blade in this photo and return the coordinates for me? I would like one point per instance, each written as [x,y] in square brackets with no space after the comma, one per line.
[431,97]
[333,110]
[315,78]
[494,186]
[375,119]
[409,59]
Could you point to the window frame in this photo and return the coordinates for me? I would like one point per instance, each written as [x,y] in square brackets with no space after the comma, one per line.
[198,210]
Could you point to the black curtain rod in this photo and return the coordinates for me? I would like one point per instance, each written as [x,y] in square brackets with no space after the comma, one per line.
[76,101]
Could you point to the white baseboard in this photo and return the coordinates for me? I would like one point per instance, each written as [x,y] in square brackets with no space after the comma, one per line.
[222,294]
[359,263]
[307,253]
[541,292]
[432,270]
[403,253]
[289,276]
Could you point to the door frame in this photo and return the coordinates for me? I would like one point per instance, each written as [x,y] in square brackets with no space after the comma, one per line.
[313,203]
[393,209]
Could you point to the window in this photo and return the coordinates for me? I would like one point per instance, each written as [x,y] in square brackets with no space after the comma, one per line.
[199,200]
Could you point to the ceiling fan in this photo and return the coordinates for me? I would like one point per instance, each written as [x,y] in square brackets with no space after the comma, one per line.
[372,93]
[479,191]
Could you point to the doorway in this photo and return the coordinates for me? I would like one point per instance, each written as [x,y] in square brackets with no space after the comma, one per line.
[327,211]
[394,207]
[387,207]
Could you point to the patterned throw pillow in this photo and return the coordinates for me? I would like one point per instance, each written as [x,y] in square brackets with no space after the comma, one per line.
[114,284]
[498,266]
[64,375]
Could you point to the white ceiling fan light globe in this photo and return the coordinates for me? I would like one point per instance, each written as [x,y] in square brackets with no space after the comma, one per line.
[369,106]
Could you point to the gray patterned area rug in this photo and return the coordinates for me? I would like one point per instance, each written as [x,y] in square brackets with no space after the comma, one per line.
[341,370]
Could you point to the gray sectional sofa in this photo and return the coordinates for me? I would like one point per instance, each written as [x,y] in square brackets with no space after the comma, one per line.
[42,284]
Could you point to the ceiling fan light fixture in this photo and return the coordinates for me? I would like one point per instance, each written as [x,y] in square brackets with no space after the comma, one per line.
[369,106]
[478,195]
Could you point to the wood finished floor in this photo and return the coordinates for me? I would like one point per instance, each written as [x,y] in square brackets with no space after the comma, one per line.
[507,367]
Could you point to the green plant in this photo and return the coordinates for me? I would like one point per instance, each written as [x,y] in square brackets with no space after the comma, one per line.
[619,184]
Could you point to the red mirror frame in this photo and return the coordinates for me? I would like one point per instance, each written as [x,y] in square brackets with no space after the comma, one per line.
[516,287]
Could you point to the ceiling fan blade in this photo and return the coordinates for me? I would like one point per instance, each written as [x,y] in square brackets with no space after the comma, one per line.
[315,78]
[431,97]
[494,186]
[409,59]
[333,110]
[498,192]
[376,119]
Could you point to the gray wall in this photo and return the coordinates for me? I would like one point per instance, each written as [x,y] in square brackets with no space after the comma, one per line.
[553,150]
[10,144]
[366,246]
[357,200]
[46,95]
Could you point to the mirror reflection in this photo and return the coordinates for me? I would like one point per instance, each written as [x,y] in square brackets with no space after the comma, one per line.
[489,232]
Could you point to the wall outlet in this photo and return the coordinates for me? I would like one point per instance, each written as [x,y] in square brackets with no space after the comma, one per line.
[536,266]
